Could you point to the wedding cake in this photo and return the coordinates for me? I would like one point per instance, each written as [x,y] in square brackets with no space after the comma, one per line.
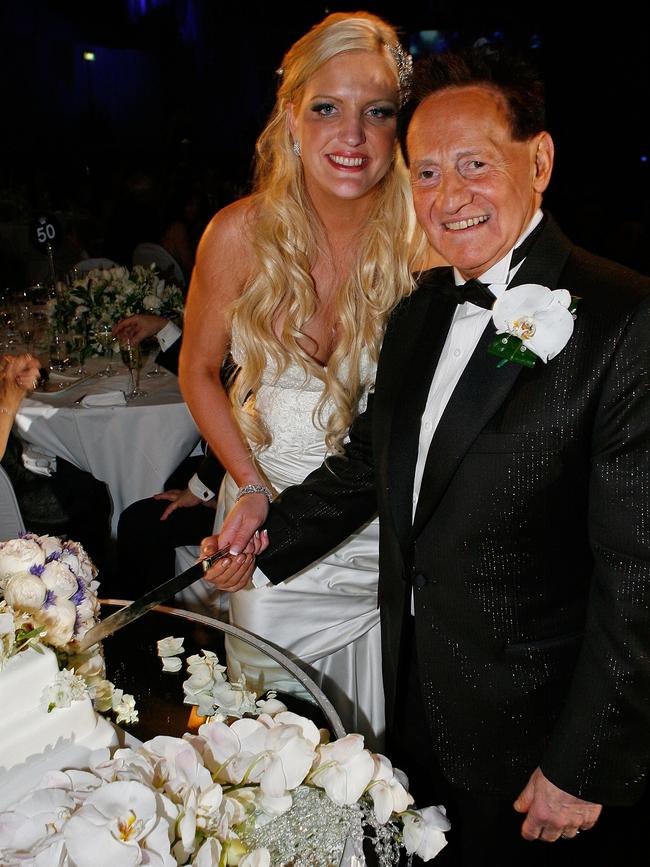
[48,716]
[27,727]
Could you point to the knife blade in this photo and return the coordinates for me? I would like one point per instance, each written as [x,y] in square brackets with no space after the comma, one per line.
[145,603]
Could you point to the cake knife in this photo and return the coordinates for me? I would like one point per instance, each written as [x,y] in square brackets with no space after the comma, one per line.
[150,599]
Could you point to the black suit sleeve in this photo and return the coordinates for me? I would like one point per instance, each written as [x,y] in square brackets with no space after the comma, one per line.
[308,520]
[168,358]
[210,471]
[600,746]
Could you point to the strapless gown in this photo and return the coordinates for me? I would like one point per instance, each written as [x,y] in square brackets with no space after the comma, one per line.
[325,616]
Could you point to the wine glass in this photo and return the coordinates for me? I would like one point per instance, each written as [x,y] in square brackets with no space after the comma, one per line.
[58,349]
[76,344]
[104,336]
[132,358]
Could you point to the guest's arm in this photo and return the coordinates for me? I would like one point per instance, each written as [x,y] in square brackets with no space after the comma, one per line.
[201,490]
[18,375]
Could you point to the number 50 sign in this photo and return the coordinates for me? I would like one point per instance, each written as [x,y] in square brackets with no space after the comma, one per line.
[45,232]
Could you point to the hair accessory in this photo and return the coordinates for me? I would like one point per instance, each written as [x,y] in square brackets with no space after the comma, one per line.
[296,147]
[404,63]
[254,489]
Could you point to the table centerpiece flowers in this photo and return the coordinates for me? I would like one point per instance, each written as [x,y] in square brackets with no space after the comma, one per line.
[103,296]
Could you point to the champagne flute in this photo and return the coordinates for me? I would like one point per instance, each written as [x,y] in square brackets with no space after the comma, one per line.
[76,343]
[58,352]
[132,358]
[104,336]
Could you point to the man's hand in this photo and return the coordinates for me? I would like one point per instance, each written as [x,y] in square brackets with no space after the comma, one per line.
[234,572]
[139,326]
[178,500]
[551,812]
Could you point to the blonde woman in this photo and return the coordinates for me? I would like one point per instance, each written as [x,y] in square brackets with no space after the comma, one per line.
[297,281]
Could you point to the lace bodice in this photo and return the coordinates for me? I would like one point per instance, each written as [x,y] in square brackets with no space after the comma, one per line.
[287,403]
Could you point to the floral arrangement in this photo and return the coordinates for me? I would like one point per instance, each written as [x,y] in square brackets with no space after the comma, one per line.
[49,596]
[532,322]
[262,790]
[103,296]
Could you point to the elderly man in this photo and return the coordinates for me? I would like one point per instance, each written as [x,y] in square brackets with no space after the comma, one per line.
[512,480]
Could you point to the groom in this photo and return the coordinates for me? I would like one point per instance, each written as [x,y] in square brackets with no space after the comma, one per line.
[513,499]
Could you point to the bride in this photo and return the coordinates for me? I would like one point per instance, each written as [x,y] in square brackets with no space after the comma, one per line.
[297,281]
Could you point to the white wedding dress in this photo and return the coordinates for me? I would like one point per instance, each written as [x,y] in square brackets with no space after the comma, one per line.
[325,616]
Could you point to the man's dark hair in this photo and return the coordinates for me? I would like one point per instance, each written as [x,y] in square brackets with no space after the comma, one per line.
[510,75]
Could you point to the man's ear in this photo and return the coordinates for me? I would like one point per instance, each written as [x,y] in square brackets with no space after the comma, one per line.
[543,157]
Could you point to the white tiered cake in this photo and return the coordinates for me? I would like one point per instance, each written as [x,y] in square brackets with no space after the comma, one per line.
[48,601]
[32,740]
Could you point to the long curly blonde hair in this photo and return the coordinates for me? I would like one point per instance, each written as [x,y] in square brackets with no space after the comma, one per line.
[280,299]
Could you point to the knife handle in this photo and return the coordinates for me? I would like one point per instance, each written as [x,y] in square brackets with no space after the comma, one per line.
[209,561]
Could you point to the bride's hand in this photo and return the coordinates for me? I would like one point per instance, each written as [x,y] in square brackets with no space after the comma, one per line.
[245,517]
[233,573]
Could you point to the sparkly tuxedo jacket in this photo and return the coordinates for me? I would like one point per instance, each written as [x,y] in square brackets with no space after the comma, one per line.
[529,554]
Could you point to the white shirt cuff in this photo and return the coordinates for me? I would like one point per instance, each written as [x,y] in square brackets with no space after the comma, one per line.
[168,335]
[199,490]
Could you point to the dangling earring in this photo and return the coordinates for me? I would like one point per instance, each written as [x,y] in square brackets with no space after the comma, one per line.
[296,147]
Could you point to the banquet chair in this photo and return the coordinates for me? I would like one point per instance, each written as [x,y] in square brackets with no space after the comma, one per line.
[148,254]
[11,521]
[91,264]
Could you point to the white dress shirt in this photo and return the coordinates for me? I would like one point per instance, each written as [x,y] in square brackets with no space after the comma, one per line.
[467,326]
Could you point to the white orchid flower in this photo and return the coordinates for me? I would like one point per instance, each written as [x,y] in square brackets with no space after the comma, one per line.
[209,854]
[344,769]
[539,316]
[387,793]
[183,768]
[424,831]
[121,823]
[34,819]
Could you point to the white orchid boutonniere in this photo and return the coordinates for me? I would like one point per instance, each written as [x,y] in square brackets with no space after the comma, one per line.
[532,322]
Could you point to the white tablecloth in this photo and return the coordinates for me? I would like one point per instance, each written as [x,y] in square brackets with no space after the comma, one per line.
[132,448]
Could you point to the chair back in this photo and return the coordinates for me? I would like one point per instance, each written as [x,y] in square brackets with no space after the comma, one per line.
[11,521]
[92,264]
[148,254]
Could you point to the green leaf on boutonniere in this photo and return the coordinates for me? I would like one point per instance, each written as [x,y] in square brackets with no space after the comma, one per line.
[507,347]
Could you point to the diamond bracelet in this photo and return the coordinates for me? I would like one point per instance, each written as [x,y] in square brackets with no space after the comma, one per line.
[254,489]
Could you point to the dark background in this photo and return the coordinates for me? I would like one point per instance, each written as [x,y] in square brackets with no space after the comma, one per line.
[181,88]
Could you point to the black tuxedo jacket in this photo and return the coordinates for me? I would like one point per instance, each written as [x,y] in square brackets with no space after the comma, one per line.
[529,553]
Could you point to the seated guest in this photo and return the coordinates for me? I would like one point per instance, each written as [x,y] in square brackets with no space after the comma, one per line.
[69,502]
[150,530]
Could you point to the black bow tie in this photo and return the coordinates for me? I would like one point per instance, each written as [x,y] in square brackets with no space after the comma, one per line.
[479,293]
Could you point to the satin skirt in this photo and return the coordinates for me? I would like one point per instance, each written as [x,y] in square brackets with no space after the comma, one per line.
[326,618]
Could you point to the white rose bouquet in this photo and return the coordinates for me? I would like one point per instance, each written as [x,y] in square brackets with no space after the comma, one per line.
[48,595]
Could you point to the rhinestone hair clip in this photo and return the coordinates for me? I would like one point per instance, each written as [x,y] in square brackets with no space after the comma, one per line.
[404,63]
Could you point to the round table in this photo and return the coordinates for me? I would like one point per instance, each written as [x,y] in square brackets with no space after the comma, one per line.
[133,448]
